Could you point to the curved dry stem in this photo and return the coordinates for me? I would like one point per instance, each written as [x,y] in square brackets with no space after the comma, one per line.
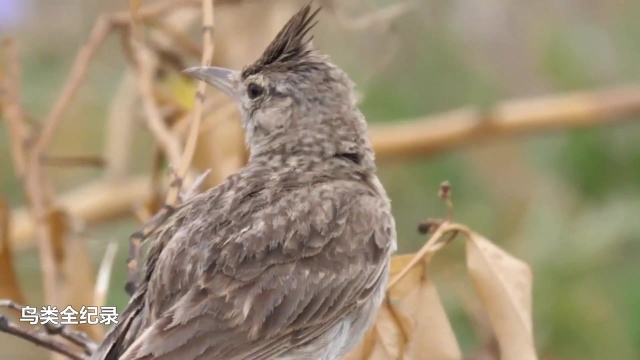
[431,247]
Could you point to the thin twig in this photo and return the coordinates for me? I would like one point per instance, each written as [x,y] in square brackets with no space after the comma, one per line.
[98,35]
[104,274]
[444,192]
[176,178]
[10,101]
[147,64]
[195,187]
[187,156]
[37,189]
[40,339]
[153,11]
[440,226]
[12,108]
[421,254]
[103,27]
[28,168]
[46,339]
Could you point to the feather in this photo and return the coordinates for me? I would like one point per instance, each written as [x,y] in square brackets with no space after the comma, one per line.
[291,45]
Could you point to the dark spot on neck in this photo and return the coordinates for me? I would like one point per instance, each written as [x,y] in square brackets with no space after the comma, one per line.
[352,157]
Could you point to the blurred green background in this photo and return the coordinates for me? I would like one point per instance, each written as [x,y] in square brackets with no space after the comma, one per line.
[566,202]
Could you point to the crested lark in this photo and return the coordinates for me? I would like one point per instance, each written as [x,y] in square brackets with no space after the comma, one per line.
[288,258]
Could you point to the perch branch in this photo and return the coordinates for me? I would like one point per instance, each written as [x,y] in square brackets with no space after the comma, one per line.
[46,339]
[38,338]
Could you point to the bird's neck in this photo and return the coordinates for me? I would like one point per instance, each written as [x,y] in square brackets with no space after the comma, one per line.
[326,164]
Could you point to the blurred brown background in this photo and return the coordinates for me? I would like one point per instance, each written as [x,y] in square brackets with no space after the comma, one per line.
[567,202]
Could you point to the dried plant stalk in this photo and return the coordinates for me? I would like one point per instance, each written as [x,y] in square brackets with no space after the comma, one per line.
[28,167]
[429,135]
[207,54]
[176,177]
[9,286]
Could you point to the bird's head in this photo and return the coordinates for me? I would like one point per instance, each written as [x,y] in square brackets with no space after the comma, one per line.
[293,100]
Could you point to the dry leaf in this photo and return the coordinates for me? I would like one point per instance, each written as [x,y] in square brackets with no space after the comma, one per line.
[417,306]
[182,90]
[504,285]
[412,323]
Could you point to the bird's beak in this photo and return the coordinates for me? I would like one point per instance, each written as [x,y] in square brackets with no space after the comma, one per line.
[219,77]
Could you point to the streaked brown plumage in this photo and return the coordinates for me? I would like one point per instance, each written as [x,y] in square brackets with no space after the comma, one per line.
[288,258]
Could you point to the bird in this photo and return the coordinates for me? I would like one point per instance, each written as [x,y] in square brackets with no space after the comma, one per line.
[289,257]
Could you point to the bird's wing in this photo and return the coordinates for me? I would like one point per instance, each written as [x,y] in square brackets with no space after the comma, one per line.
[296,270]
[121,334]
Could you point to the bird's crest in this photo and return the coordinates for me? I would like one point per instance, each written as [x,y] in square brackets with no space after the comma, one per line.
[290,46]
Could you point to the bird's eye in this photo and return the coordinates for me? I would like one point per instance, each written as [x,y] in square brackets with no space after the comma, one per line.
[254,90]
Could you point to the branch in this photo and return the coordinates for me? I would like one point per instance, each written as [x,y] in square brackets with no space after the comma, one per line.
[103,27]
[38,338]
[187,156]
[147,64]
[12,108]
[47,339]
[28,168]
[432,134]
[176,178]
[92,203]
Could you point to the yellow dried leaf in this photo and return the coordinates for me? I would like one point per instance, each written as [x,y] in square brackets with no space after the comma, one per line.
[411,324]
[504,285]
[429,314]
[181,89]
[418,309]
